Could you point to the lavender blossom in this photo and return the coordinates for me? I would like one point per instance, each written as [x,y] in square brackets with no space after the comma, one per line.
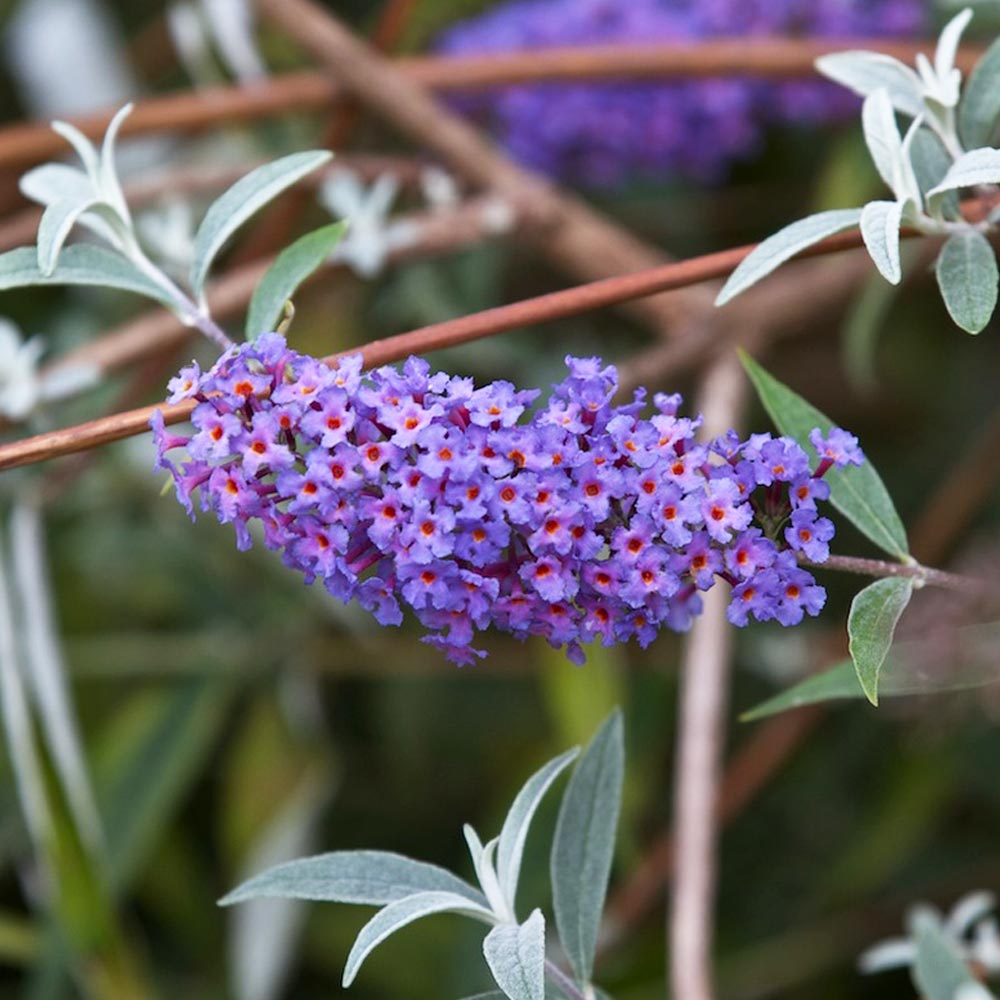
[582,522]
[603,133]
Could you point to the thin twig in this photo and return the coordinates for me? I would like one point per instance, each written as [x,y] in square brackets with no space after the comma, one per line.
[556,305]
[700,739]
[21,145]
[922,575]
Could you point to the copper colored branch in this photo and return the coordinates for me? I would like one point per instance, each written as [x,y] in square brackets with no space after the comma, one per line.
[557,305]
[22,145]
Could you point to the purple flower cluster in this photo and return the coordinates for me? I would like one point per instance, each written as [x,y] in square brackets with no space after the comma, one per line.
[585,521]
[604,133]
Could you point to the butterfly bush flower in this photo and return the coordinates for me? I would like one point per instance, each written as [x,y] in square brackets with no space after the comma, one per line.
[607,132]
[580,521]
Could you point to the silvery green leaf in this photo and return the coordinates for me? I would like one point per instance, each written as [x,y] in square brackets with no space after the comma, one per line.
[405,911]
[971,990]
[57,221]
[291,267]
[979,108]
[515,827]
[516,957]
[865,72]
[584,844]
[978,166]
[490,995]
[784,245]
[882,136]
[482,861]
[857,491]
[246,197]
[82,264]
[53,182]
[110,187]
[930,162]
[967,276]
[939,969]
[84,149]
[371,878]
[871,624]
[880,221]
[947,48]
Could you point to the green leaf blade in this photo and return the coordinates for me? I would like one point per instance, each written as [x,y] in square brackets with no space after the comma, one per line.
[871,624]
[938,972]
[783,245]
[979,109]
[372,878]
[81,264]
[967,275]
[583,846]
[516,957]
[857,491]
[291,267]
[397,915]
[518,821]
[880,222]
[244,199]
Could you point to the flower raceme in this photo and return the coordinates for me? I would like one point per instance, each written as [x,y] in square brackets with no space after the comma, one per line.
[582,521]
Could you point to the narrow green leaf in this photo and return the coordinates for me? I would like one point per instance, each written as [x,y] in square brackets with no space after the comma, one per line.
[911,668]
[516,957]
[885,144]
[979,108]
[57,221]
[967,276]
[246,197]
[293,265]
[153,751]
[939,970]
[584,844]
[515,827]
[371,878]
[857,491]
[978,166]
[405,911]
[880,221]
[783,245]
[930,162]
[870,627]
[82,264]
[865,72]
[840,681]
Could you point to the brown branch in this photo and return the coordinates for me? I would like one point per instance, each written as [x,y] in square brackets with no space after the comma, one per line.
[24,144]
[556,305]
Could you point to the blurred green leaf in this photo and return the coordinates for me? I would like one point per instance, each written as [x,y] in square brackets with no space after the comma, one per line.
[150,756]
[979,108]
[857,491]
[292,266]
[871,625]
[584,844]
[939,970]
